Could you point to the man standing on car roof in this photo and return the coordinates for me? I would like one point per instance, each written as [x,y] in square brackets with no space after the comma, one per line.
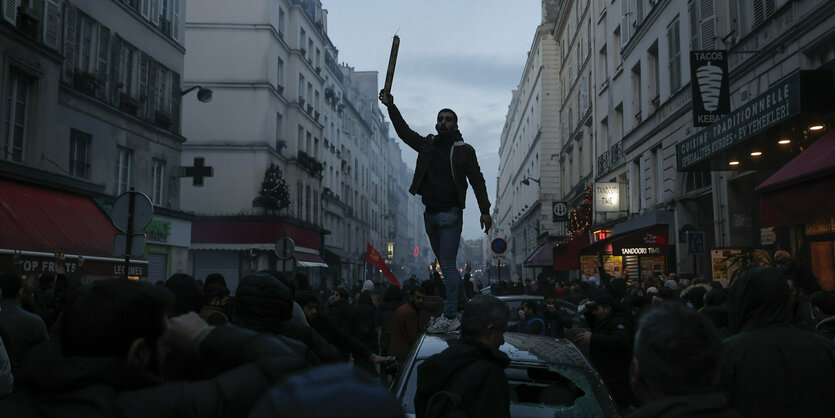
[444,164]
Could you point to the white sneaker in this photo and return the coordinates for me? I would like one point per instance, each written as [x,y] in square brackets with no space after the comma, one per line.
[444,325]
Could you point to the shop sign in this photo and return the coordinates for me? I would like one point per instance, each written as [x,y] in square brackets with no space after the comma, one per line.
[607,197]
[820,227]
[93,266]
[711,91]
[560,211]
[769,109]
[642,250]
[158,231]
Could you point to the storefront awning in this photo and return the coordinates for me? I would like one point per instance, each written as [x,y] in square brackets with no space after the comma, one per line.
[40,222]
[542,256]
[567,255]
[309,260]
[801,191]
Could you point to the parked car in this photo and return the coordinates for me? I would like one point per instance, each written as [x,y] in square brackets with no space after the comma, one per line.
[548,377]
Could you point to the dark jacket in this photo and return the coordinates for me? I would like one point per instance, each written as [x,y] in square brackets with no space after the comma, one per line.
[471,370]
[50,385]
[610,351]
[701,405]
[392,300]
[405,330]
[771,368]
[463,157]
[535,326]
[555,323]
[340,339]
[24,330]
[343,315]
[368,317]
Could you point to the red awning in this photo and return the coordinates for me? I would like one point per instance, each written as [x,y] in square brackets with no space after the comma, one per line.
[40,220]
[237,231]
[309,260]
[567,256]
[542,256]
[801,191]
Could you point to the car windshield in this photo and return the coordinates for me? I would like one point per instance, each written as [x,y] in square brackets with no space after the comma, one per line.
[539,391]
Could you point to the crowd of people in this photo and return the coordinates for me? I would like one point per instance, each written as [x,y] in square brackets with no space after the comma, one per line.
[666,346]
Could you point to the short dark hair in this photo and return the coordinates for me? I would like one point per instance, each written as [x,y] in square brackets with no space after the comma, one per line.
[678,350]
[188,293]
[415,288]
[104,318]
[481,312]
[454,115]
[10,284]
[263,300]
[428,287]
[306,297]
[530,304]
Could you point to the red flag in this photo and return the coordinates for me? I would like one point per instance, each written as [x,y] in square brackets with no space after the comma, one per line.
[373,257]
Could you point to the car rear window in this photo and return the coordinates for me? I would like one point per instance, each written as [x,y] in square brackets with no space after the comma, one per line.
[539,391]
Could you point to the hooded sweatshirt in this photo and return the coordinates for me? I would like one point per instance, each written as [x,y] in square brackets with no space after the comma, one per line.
[771,368]
[473,371]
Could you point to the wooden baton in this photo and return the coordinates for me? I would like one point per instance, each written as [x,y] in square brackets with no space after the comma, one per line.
[395,45]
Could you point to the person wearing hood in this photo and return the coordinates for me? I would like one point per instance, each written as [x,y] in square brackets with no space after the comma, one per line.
[444,165]
[468,378]
[771,368]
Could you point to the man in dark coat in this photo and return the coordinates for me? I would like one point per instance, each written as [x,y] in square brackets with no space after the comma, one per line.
[405,326]
[675,365]
[529,321]
[771,368]
[444,165]
[555,321]
[113,340]
[468,377]
[23,329]
[610,344]
[342,314]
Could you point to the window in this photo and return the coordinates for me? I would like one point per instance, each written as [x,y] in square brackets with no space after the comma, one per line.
[85,43]
[654,78]
[300,139]
[281,22]
[762,10]
[16,103]
[674,63]
[658,161]
[619,121]
[625,22]
[279,73]
[702,26]
[302,39]
[616,50]
[316,207]
[127,74]
[636,91]
[163,89]
[158,170]
[603,65]
[279,131]
[635,191]
[696,180]
[124,168]
[307,203]
[299,199]
[80,143]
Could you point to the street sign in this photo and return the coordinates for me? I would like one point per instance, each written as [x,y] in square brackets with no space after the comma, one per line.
[120,242]
[695,242]
[286,265]
[285,247]
[498,245]
[143,211]
[560,211]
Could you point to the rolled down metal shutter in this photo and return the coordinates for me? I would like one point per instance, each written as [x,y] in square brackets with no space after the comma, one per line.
[157,267]
[226,263]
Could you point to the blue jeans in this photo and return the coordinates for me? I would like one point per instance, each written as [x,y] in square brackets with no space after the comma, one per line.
[444,231]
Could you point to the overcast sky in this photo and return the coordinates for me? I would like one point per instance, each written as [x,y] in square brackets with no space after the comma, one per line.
[467,55]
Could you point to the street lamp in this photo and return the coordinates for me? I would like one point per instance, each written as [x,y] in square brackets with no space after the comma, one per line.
[527,181]
[204,95]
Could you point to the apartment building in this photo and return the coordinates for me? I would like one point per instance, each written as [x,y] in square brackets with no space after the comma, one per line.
[92,109]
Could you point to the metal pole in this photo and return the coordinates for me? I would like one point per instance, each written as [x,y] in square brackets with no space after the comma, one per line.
[129,232]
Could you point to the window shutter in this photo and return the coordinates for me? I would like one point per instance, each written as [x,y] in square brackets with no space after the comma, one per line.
[693,12]
[706,24]
[103,51]
[155,11]
[145,7]
[50,28]
[115,50]
[69,40]
[10,11]
[175,100]
[624,23]
[143,86]
[175,20]
[152,88]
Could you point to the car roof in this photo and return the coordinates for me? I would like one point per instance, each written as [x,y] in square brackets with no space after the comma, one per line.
[519,297]
[521,348]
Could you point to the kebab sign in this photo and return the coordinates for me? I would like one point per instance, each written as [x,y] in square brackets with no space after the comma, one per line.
[711,91]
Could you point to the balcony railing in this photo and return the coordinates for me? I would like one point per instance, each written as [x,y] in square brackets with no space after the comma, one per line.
[610,159]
